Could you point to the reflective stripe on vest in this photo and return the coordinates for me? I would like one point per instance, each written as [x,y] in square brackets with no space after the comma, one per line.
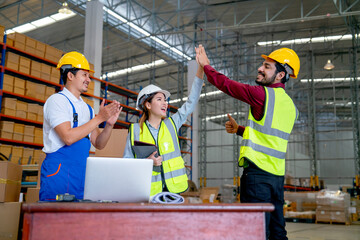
[168,144]
[265,141]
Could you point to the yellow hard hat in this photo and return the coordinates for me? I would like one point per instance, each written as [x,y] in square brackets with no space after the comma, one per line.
[286,56]
[76,60]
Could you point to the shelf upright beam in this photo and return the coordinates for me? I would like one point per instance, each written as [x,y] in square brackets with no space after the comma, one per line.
[3,50]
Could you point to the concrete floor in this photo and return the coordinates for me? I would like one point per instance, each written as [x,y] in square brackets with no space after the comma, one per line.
[322,231]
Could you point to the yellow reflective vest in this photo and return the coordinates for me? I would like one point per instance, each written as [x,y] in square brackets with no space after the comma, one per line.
[265,141]
[174,172]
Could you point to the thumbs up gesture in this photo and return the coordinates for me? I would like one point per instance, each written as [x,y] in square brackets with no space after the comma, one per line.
[231,126]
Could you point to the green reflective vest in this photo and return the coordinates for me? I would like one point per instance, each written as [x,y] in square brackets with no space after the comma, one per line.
[265,142]
[174,172]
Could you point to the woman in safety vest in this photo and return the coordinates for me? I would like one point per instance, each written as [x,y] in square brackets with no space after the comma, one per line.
[70,127]
[169,172]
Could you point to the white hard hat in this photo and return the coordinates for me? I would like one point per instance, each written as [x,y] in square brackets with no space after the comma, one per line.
[146,92]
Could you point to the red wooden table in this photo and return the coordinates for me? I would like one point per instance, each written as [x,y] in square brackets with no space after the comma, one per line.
[66,221]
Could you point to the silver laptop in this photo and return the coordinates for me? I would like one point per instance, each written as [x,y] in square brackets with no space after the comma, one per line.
[118,179]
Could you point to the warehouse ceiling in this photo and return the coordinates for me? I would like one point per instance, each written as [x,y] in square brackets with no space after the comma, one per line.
[231,31]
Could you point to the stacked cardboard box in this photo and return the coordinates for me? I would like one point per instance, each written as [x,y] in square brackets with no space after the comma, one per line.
[8,83]
[24,65]
[6,129]
[2,30]
[18,132]
[45,71]
[28,154]
[52,53]
[8,106]
[19,86]
[10,187]
[55,75]
[9,220]
[35,90]
[35,69]
[333,206]
[39,156]
[38,135]
[12,61]
[49,91]
[19,40]
[29,134]
[30,45]
[16,154]
[5,150]
[40,114]
[21,109]
[32,111]
[40,49]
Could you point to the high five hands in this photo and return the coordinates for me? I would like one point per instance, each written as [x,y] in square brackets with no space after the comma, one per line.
[201,57]
[231,126]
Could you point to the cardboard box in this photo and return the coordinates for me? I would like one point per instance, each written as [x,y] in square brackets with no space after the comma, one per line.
[5,150]
[27,156]
[11,65]
[35,65]
[20,114]
[9,80]
[9,220]
[9,88]
[31,116]
[45,68]
[40,53]
[25,70]
[12,57]
[20,105]
[19,128]
[30,42]
[9,103]
[32,195]
[7,126]
[55,79]
[7,111]
[38,140]
[6,135]
[323,215]
[35,73]
[18,137]
[30,50]
[49,91]
[24,61]
[20,83]
[28,138]
[39,157]
[45,76]
[18,37]
[40,118]
[38,132]
[33,107]
[20,91]
[40,46]
[19,45]
[10,42]
[116,144]
[11,185]
[209,194]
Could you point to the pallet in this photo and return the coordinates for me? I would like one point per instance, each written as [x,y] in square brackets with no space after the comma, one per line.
[331,222]
[300,220]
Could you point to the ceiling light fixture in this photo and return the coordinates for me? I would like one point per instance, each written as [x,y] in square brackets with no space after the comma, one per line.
[65,9]
[329,65]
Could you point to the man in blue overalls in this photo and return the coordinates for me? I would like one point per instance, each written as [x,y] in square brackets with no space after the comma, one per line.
[70,128]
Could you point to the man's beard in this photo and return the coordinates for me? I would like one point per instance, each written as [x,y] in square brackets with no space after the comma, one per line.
[267,83]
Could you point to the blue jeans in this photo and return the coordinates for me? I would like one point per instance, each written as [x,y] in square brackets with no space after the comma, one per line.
[258,186]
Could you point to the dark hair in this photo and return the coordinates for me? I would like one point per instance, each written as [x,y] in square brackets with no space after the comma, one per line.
[281,68]
[145,115]
[64,73]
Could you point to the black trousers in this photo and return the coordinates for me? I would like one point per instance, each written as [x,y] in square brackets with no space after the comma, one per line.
[258,186]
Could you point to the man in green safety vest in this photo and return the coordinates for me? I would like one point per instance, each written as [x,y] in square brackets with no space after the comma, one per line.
[272,115]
